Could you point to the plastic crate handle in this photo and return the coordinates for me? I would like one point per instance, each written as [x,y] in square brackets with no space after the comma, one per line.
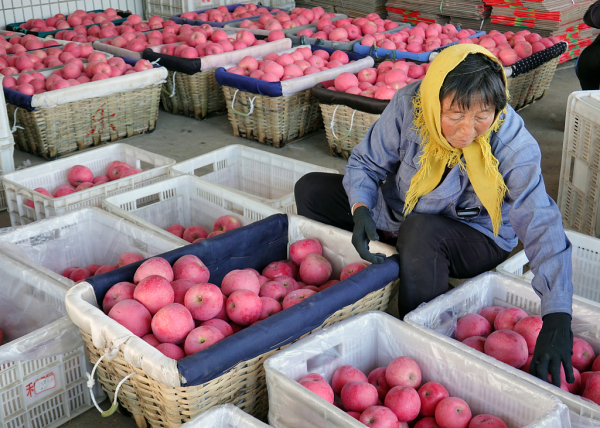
[239,112]
[595,95]
[333,123]
[110,353]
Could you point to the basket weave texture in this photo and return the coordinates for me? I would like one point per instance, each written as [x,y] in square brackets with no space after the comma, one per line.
[273,120]
[196,95]
[349,130]
[67,128]
[244,386]
[529,87]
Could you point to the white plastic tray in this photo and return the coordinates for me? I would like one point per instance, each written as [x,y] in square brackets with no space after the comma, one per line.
[224,416]
[438,319]
[19,185]
[263,176]
[184,200]
[81,238]
[586,266]
[374,339]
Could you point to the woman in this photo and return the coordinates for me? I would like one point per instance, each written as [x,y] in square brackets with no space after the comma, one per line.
[450,168]
[588,63]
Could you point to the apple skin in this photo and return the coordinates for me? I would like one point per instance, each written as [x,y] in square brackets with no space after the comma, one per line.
[359,396]
[583,355]
[507,319]
[345,374]
[487,421]
[377,379]
[379,417]
[472,325]
[404,401]
[317,384]
[403,371]
[428,422]
[431,393]
[452,412]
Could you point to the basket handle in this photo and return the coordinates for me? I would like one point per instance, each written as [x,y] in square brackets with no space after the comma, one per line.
[110,354]
[333,124]
[393,52]
[15,126]
[239,112]
[373,51]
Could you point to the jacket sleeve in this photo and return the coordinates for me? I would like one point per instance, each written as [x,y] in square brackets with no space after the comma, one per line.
[537,222]
[592,16]
[376,156]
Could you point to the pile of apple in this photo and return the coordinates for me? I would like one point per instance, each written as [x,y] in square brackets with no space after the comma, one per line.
[513,47]
[392,396]
[75,73]
[18,44]
[277,68]
[221,14]
[421,38]
[107,29]
[23,62]
[347,29]
[510,335]
[169,34]
[175,309]
[81,177]
[61,22]
[279,20]
[208,41]
[195,234]
[380,83]
[77,274]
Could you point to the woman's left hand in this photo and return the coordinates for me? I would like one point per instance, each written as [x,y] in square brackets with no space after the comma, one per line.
[553,347]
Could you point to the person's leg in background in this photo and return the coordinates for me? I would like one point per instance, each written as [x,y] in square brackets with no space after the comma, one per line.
[321,197]
[433,248]
[588,68]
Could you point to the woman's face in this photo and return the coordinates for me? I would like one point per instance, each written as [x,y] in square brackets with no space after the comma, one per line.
[460,127]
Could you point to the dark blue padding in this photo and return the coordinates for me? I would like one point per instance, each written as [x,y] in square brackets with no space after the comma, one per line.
[396,54]
[177,18]
[24,101]
[260,87]
[255,246]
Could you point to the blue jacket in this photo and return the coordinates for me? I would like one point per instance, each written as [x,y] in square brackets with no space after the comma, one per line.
[381,167]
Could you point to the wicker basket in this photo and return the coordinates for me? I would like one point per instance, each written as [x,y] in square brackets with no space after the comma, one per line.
[66,128]
[272,120]
[529,87]
[244,385]
[195,95]
[350,127]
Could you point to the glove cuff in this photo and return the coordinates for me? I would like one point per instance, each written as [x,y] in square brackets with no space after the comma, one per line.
[557,319]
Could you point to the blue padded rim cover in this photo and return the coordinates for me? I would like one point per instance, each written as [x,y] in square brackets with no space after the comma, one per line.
[260,87]
[255,246]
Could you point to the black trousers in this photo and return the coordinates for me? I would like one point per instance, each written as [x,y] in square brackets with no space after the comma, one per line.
[432,248]
[588,67]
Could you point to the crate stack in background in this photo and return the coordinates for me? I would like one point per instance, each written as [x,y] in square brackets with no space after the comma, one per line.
[473,12]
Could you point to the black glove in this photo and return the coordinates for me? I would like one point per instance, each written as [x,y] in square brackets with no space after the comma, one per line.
[554,345]
[365,231]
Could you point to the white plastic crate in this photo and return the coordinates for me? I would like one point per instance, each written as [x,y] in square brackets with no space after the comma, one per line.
[224,416]
[184,200]
[260,175]
[7,165]
[374,339]
[43,360]
[579,186]
[81,238]
[168,8]
[19,185]
[438,319]
[586,266]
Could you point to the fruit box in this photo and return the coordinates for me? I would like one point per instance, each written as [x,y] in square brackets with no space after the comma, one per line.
[438,319]
[80,238]
[265,177]
[231,371]
[19,185]
[586,262]
[224,416]
[186,200]
[277,112]
[97,112]
[178,20]
[43,359]
[374,339]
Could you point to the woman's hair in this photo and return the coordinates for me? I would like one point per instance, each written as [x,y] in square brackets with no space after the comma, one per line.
[476,79]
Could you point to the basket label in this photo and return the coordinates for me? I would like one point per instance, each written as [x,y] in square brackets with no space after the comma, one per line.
[40,385]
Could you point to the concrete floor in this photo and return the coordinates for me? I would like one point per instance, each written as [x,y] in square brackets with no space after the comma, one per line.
[182,138]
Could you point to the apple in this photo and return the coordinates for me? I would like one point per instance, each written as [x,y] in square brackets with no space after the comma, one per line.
[377,379]
[194,232]
[116,293]
[295,297]
[358,396]
[403,371]
[508,347]
[475,342]
[79,174]
[275,269]
[176,229]
[201,338]
[300,249]
[490,313]
[487,421]
[379,417]
[472,325]
[132,315]
[219,324]
[128,258]
[204,301]
[190,267]
[317,384]
[430,395]
[243,307]
[151,339]
[154,266]
[592,388]
[428,422]
[180,287]
[227,222]
[171,350]
[508,318]
[269,307]
[404,401]
[240,280]
[583,355]
[351,269]
[345,374]
[172,323]
[154,292]
[529,328]
[274,290]
[452,412]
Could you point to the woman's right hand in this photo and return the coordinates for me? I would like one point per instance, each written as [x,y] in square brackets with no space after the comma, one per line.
[365,231]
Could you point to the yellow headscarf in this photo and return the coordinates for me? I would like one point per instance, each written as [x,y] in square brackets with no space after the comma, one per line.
[481,164]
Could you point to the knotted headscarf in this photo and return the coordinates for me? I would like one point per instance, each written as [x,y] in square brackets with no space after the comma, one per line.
[481,164]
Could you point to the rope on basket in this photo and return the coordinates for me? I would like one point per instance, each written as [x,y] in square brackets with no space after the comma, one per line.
[110,353]
[239,112]
[172,93]
[333,124]
[15,126]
